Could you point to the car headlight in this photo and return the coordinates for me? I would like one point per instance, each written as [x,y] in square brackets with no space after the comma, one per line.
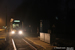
[13,32]
[20,32]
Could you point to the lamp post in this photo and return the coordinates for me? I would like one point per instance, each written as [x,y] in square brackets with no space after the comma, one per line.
[6,16]
[6,13]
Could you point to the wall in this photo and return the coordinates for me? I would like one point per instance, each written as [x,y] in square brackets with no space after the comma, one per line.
[42,36]
[45,37]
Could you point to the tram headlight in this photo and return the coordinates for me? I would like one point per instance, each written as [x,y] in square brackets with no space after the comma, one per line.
[13,32]
[20,32]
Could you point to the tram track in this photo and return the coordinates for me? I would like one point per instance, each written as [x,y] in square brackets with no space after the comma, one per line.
[22,44]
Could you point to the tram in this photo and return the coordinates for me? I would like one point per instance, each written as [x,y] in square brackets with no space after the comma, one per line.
[16,30]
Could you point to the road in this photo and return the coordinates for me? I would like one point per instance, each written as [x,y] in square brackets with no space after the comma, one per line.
[18,44]
[21,44]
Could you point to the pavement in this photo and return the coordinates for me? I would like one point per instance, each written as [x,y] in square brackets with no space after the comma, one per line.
[37,41]
[2,39]
[2,34]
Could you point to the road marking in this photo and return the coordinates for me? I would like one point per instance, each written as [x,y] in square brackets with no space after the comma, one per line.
[14,45]
[30,44]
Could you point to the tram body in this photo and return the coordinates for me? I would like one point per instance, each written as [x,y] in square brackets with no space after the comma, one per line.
[16,30]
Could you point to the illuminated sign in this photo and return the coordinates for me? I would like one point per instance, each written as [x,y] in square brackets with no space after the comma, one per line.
[16,20]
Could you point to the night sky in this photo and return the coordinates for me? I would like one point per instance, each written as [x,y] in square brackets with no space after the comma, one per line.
[45,8]
[58,6]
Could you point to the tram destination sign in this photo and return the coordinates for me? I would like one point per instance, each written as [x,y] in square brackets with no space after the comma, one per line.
[16,20]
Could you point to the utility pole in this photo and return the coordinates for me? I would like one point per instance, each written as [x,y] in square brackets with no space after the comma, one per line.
[6,14]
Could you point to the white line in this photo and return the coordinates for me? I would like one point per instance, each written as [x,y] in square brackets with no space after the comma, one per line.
[14,45]
[30,44]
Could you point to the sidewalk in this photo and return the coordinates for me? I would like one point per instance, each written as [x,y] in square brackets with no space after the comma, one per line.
[2,35]
[37,41]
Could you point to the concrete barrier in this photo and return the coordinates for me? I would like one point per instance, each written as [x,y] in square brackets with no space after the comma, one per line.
[42,36]
[47,37]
